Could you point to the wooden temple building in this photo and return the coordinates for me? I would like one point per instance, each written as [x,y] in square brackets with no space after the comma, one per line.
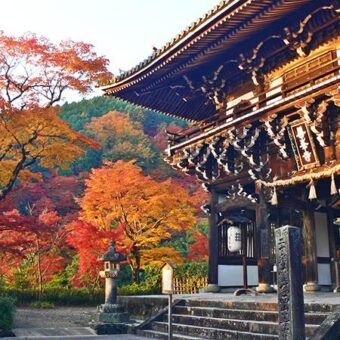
[258,82]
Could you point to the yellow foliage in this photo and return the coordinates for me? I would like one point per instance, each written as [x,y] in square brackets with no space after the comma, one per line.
[36,136]
[158,256]
[120,137]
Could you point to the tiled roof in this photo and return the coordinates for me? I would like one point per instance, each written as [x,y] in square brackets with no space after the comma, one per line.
[231,28]
[191,28]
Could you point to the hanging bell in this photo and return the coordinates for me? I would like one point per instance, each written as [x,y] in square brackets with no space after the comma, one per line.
[274,200]
[312,191]
[334,189]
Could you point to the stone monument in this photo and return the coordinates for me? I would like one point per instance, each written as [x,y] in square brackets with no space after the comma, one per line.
[111,314]
[289,279]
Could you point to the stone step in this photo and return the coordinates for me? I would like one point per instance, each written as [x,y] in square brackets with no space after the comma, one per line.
[206,332]
[263,327]
[161,335]
[240,305]
[320,308]
[252,305]
[225,313]
[56,332]
[252,326]
[82,337]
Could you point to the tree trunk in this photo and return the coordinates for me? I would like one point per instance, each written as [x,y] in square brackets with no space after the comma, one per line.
[40,283]
[136,268]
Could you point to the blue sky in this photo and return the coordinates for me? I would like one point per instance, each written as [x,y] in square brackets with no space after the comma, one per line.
[122,30]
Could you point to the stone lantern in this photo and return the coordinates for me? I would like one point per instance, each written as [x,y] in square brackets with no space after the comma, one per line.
[112,261]
[110,311]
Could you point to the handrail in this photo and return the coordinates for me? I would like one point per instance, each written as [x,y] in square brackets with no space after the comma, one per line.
[159,315]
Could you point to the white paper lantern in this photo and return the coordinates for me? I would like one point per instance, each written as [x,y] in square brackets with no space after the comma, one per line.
[234,239]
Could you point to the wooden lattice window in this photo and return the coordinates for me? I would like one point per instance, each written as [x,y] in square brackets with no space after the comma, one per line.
[311,71]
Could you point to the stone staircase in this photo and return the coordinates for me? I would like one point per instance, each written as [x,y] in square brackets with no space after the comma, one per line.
[202,319]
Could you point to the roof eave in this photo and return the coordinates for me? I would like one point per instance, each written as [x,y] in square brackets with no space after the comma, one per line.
[168,54]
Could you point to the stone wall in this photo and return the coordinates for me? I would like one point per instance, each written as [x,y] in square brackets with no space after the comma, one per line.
[142,307]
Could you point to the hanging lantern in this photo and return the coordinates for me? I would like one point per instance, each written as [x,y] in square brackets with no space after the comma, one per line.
[334,189]
[274,200]
[312,191]
[234,239]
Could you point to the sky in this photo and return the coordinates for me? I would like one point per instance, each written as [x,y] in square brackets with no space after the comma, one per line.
[124,31]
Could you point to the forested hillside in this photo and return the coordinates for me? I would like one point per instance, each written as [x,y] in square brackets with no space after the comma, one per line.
[59,208]
[77,114]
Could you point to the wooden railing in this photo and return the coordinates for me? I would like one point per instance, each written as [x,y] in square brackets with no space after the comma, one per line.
[189,286]
[304,80]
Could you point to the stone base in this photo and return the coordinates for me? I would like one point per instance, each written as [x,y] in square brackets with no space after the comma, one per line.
[245,291]
[113,317]
[112,314]
[109,328]
[212,288]
[311,287]
[264,288]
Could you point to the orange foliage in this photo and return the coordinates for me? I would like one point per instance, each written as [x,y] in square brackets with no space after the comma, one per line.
[29,136]
[34,75]
[120,195]
[158,256]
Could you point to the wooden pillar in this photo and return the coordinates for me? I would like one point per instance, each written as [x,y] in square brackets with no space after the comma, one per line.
[310,255]
[332,246]
[213,245]
[263,243]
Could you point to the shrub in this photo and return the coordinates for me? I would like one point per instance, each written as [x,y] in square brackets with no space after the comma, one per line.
[41,304]
[150,283]
[191,270]
[57,296]
[7,312]
[138,289]
[151,278]
[125,275]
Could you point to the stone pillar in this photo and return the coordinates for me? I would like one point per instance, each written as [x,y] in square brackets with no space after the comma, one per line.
[263,243]
[110,291]
[289,277]
[310,257]
[213,245]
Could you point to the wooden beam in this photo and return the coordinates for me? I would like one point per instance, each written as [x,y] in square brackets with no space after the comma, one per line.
[213,244]
[310,254]
[331,240]
[263,242]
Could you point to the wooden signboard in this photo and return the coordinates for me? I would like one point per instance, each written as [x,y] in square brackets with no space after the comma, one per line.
[167,278]
[303,145]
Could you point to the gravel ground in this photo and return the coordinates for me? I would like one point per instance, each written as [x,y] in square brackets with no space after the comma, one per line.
[54,318]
